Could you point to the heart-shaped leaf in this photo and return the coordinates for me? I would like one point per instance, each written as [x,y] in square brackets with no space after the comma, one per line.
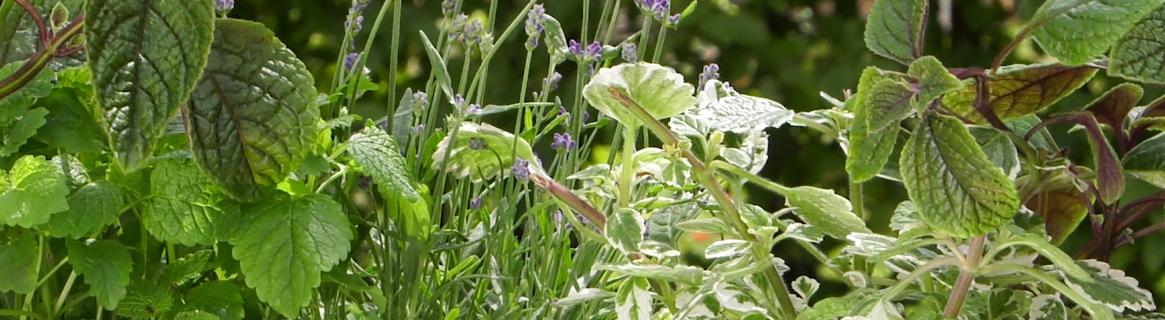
[105,265]
[657,89]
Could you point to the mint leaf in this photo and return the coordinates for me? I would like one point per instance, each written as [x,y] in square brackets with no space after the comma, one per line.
[105,265]
[91,208]
[378,156]
[253,116]
[1146,161]
[282,251]
[624,230]
[185,206]
[146,56]
[659,90]
[31,192]
[888,102]
[867,150]
[1077,31]
[895,28]
[1020,90]
[24,128]
[1140,53]
[146,300]
[951,181]
[933,80]
[16,258]
[826,210]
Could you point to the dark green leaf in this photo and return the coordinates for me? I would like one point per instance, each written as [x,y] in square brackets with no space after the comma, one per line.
[1021,90]
[378,156]
[1140,53]
[91,208]
[185,206]
[933,80]
[146,300]
[105,265]
[253,116]
[32,192]
[895,29]
[1077,31]
[868,150]
[220,298]
[16,258]
[146,57]
[951,181]
[74,128]
[1146,161]
[24,128]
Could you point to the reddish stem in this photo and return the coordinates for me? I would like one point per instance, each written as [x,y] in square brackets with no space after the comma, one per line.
[42,29]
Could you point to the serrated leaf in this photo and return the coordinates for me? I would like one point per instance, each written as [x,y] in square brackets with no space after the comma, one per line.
[146,300]
[887,103]
[16,264]
[723,109]
[951,181]
[31,192]
[1047,307]
[805,287]
[933,80]
[1062,210]
[826,210]
[286,245]
[1077,31]
[1113,107]
[624,230]
[998,148]
[1146,161]
[146,57]
[253,115]
[1111,288]
[379,157]
[1020,90]
[19,37]
[195,315]
[682,274]
[18,133]
[633,301]
[187,268]
[1140,53]
[659,90]
[105,266]
[222,299]
[185,206]
[500,150]
[867,151]
[894,29]
[91,208]
[583,296]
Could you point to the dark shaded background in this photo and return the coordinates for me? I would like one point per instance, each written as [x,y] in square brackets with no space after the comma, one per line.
[785,50]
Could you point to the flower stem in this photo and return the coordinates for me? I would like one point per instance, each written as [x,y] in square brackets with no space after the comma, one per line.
[627,168]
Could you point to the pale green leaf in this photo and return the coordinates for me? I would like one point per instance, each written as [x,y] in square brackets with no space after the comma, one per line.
[1146,161]
[1111,288]
[624,230]
[379,157]
[32,192]
[867,150]
[1061,260]
[681,274]
[555,40]
[1077,31]
[185,206]
[998,148]
[253,115]
[583,296]
[710,225]
[721,108]
[146,57]
[633,300]
[91,208]
[1021,90]
[826,210]
[286,245]
[16,258]
[498,156]
[951,181]
[933,80]
[105,266]
[659,90]
[894,29]
[1140,53]
[726,249]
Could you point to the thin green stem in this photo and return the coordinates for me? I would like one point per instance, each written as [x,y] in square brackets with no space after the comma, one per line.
[627,168]
[64,293]
[659,43]
[392,60]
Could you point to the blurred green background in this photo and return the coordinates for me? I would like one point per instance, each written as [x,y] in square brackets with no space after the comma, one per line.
[785,50]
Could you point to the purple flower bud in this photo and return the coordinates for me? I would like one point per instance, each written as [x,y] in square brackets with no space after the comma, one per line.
[521,169]
[711,72]
[575,48]
[458,100]
[630,52]
[532,43]
[448,6]
[351,60]
[476,144]
[660,9]
[475,203]
[224,5]
[595,50]
[420,100]
[473,32]
[673,20]
[536,21]
[563,142]
[457,28]
[473,109]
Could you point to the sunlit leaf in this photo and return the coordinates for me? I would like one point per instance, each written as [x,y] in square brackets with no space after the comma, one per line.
[826,210]
[894,29]
[722,109]
[659,90]
[105,266]
[31,192]
[1140,53]
[497,156]
[1077,31]
[1021,90]
[378,156]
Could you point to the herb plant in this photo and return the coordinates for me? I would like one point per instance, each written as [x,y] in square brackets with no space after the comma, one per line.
[162,160]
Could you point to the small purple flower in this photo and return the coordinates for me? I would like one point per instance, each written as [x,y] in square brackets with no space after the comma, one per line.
[458,100]
[575,48]
[457,28]
[532,43]
[711,72]
[224,5]
[630,52]
[558,218]
[673,20]
[351,60]
[536,21]
[563,142]
[562,110]
[476,144]
[473,109]
[448,6]
[551,82]
[521,169]
[595,50]
[355,21]
[661,9]
[474,30]
[420,100]
[475,203]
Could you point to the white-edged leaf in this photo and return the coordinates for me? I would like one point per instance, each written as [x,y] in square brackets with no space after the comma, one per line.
[624,230]
[633,301]
[498,156]
[583,296]
[1112,288]
[726,248]
[682,274]
[722,109]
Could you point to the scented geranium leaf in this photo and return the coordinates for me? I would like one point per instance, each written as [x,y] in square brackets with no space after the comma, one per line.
[633,300]
[895,29]
[1062,210]
[722,109]
[31,192]
[1019,90]
[1111,288]
[826,210]
[1077,31]
[91,208]
[805,287]
[887,103]
[951,181]
[222,299]
[286,245]
[1146,161]
[253,116]
[688,275]
[105,266]
[867,150]
[378,156]
[624,230]
[480,164]
[1113,107]
[933,80]
[185,205]
[1140,53]
[146,57]
[16,258]
[657,89]
[18,133]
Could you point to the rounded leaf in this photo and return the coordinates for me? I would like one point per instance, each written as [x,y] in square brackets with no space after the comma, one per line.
[658,89]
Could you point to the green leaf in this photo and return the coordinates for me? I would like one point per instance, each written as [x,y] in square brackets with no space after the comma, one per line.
[146,300]
[74,128]
[1111,288]
[402,118]
[437,66]
[253,116]
[1146,161]
[688,275]
[282,251]
[24,128]
[933,80]
[1062,261]
[105,265]
[895,29]
[1020,90]
[582,296]
[723,109]
[500,150]
[1140,52]
[185,206]
[16,265]
[710,225]
[32,192]
[998,148]
[868,150]
[219,298]
[659,90]
[195,315]
[624,230]
[146,57]
[826,210]
[379,157]
[187,268]
[633,300]
[951,181]
[19,37]
[887,103]
[17,103]
[555,40]
[1047,307]
[728,248]
[1077,31]
[91,208]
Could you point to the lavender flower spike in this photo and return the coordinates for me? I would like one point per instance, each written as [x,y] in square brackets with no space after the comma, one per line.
[224,5]
[563,142]
[350,61]
[711,72]
[521,169]
[630,52]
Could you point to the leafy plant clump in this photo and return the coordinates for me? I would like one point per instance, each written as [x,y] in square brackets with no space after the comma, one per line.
[162,160]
